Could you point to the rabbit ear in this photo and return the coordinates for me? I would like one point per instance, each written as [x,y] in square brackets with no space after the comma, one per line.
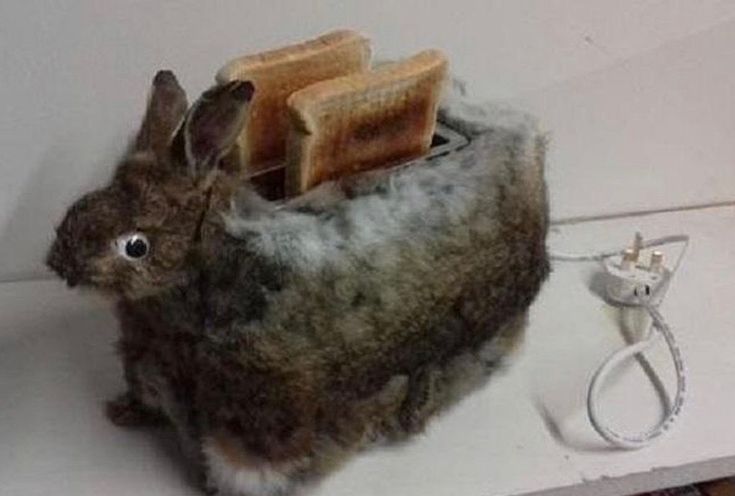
[166,108]
[212,126]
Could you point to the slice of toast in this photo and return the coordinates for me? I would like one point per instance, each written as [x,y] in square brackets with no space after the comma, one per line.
[278,73]
[363,121]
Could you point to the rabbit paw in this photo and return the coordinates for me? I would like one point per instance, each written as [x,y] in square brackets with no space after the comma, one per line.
[206,485]
[128,411]
[422,401]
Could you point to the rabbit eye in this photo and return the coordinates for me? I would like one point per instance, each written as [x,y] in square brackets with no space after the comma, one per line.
[133,246]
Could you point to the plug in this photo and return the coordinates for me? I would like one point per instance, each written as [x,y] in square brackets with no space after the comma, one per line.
[629,280]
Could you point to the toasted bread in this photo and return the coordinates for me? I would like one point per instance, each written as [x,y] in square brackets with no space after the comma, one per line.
[278,73]
[363,121]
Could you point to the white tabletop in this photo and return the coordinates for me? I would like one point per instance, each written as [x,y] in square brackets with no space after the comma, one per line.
[525,432]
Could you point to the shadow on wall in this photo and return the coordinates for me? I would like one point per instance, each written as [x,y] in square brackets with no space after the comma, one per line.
[29,231]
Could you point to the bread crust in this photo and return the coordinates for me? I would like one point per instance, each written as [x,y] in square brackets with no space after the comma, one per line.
[278,73]
[364,120]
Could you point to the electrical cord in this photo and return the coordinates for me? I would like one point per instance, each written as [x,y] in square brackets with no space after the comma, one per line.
[614,360]
[657,329]
[600,256]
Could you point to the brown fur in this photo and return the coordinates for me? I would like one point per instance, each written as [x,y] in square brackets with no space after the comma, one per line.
[288,365]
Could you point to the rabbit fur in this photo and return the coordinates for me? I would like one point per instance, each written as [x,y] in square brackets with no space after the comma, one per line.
[279,339]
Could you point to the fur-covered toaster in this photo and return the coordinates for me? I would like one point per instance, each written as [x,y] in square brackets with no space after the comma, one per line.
[279,338]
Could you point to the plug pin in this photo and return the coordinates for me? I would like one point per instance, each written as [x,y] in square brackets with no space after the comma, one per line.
[630,257]
[637,246]
[657,261]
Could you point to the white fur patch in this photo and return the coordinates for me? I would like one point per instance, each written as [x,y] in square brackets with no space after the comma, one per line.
[415,201]
[232,479]
[402,210]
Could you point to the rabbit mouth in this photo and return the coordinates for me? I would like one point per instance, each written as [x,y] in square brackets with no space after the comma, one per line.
[74,278]
[66,271]
[71,273]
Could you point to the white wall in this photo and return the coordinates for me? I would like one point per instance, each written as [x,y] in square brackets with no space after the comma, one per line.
[652,132]
[73,77]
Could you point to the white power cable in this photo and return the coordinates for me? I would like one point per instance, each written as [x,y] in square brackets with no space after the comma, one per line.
[600,256]
[658,328]
[614,360]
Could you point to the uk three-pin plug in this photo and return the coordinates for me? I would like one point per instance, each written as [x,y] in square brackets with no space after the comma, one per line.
[630,279]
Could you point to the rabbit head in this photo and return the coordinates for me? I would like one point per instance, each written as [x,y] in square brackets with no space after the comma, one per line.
[138,234]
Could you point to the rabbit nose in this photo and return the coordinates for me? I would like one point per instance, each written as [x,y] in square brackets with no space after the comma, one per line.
[53,260]
[57,262]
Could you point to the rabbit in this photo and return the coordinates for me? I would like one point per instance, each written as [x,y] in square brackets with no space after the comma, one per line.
[279,339]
